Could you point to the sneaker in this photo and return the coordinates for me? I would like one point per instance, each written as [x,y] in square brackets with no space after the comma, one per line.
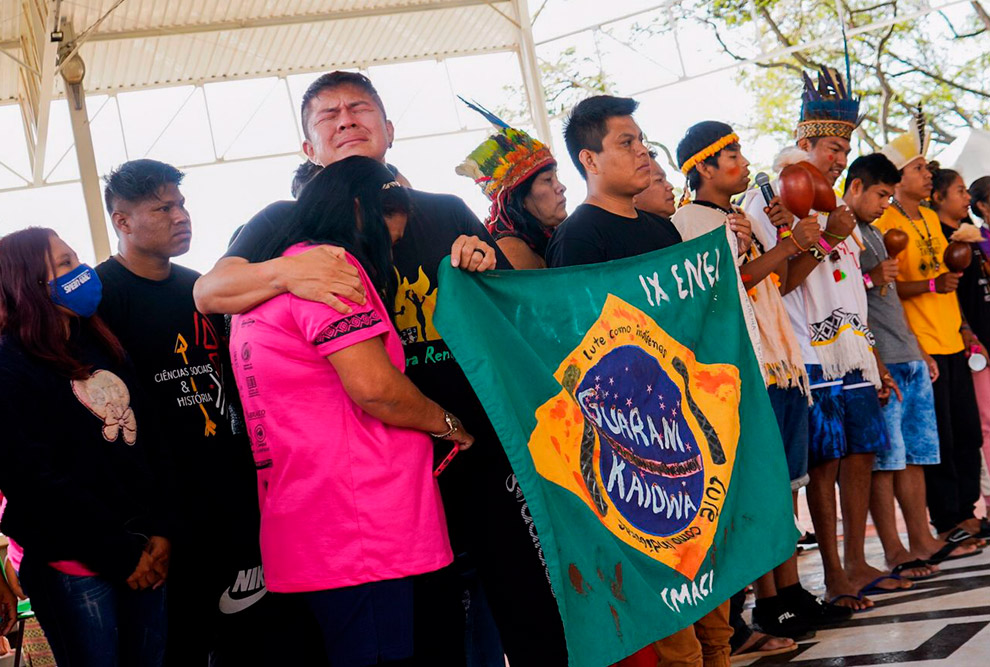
[816,610]
[773,617]
[807,541]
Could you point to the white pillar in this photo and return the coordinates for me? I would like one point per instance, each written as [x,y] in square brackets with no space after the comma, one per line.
[531,75]
[88,175]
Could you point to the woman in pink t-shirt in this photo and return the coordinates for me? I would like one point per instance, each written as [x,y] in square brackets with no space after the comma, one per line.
[350,508]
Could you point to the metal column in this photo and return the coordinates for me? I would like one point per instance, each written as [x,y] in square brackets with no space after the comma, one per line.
[88,175]
[531,74]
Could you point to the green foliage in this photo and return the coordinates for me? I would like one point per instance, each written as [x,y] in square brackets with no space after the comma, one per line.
[938,60]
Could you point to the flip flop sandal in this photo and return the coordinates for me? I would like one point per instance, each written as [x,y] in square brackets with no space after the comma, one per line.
[917,563]
[970,554]
[984,531]
[757,650]
[836,599]
[954,539]
[872,588]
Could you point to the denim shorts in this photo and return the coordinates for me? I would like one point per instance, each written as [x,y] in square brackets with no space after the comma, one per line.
[845,418]
[790,407]
[910,422]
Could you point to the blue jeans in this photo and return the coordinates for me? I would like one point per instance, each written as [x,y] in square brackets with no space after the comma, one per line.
[92,622]
[911,422]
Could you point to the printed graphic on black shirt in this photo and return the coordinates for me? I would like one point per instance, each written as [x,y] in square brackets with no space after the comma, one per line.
[106,396]
[415,303]
[208,390]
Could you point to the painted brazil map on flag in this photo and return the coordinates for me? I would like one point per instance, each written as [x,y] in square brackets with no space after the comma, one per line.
[629,401]
[637,445]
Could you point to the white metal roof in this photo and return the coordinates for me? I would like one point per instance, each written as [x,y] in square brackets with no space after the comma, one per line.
[150,43]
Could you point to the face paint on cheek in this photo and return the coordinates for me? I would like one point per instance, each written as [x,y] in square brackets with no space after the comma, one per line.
[733,171]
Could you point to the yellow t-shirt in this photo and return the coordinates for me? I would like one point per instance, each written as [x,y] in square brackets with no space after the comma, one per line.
[935,318]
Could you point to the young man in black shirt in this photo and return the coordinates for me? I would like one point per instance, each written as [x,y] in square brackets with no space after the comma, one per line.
[342,115]
[217,599]
[606,145]
[607,148]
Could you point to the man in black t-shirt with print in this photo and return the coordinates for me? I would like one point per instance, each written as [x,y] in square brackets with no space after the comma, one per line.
[342,115]
[217,603]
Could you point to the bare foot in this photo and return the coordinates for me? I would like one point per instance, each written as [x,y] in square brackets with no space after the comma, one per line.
[919,572]
[843,593]
[771,644]
[850,601]
[928,544]
[964,549]
[902,556]
[865,575]
[971,525]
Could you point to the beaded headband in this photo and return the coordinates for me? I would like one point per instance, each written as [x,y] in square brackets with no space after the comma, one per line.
[708,151]
[810,129]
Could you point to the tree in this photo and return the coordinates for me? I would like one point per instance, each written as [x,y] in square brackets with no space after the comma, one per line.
[936,60]
[567,79]
[939,60]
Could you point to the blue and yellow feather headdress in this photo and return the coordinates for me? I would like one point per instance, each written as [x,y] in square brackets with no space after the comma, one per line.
[828,109]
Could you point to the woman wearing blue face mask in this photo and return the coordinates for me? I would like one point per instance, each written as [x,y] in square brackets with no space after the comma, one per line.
[79,463]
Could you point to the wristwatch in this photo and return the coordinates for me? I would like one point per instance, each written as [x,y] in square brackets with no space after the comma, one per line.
[453,424]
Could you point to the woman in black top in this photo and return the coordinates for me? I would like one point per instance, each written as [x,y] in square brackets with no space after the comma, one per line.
[78,463]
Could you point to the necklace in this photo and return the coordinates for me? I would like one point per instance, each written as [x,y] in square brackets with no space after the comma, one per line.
[716,207]
[869,238]
[927,238]
[881,254]
[708,204]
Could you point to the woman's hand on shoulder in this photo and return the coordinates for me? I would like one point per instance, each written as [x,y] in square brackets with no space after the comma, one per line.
[323,274]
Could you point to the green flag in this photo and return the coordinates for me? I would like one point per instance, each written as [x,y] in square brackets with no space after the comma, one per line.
[630,403]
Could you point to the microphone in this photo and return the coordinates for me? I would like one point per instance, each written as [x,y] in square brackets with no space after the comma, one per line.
[763,182]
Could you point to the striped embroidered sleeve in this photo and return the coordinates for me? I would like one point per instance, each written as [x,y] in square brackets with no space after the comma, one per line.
[330,331]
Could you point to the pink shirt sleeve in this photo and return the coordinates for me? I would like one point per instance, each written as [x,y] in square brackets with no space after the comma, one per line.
[331,331]
[14,552]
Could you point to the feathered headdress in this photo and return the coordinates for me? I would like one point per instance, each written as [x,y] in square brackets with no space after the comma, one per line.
[828,109]
[912,144]
[503,160]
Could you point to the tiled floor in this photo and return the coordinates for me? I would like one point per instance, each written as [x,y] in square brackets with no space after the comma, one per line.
[942,622]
